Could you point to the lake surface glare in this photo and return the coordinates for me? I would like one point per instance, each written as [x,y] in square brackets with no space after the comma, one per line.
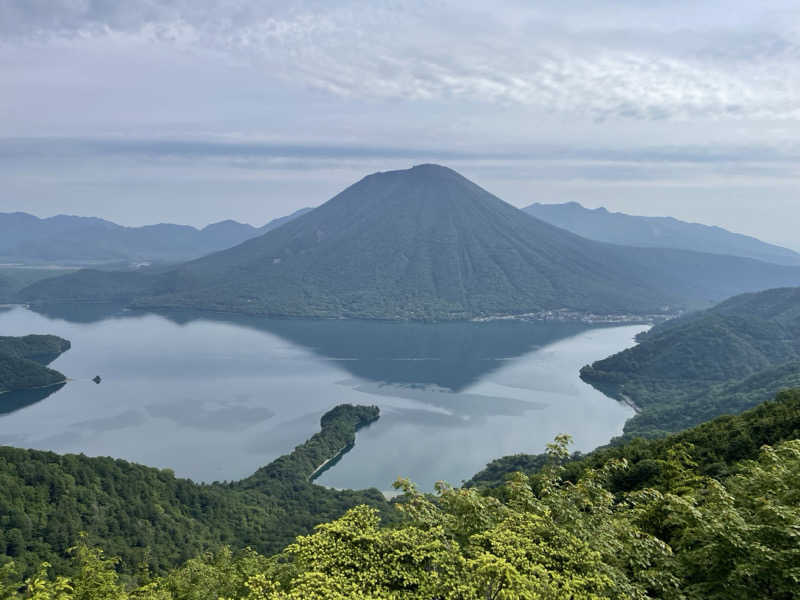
[214,397]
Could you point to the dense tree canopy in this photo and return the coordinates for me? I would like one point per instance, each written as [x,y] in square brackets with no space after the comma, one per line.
[690,536]
[148,517]
[715,447]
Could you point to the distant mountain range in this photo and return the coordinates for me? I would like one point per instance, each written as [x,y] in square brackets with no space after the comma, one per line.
[87,240]
[663,232]
[424,243]
[719,361]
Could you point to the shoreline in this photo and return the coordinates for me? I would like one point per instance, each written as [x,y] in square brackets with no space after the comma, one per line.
[566,315]
[321,468]
[627,400]
[555,314]
[37,387]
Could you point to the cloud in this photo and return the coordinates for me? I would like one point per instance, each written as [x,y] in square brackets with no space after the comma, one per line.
[137,110]
[577,61]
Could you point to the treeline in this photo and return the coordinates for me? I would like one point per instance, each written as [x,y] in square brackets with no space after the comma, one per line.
[695,531]
[150,519]
[23,360]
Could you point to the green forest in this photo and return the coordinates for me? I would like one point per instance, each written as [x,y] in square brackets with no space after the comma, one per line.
[721,360]
[688,517]
[149,518]
[23,360]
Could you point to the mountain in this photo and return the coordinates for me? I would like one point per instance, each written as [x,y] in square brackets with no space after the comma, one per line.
[424,243]
[87,240]
[704,364]
[14,278]
[275,223]
[23,360]
[619,228]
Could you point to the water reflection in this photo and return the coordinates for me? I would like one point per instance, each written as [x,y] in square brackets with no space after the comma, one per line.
[13,401]
[452,356]
[426,363]
[216,396]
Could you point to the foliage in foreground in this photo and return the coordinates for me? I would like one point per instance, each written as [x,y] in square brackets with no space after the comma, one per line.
[150,518]
[691,537]
[716,447]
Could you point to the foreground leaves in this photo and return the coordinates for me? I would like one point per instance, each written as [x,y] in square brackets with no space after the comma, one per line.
[539,538]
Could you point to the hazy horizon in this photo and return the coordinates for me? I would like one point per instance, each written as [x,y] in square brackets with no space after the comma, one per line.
[257,224]
[196,112]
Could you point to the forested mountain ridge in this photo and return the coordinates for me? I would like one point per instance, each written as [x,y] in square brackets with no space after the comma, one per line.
[68,239]
[650,520]
[23,360]
[692,368]
[15,278]
[150,518]
[663,232]
[425,243]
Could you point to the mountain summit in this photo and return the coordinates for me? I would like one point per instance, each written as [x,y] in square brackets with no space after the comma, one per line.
[424,243]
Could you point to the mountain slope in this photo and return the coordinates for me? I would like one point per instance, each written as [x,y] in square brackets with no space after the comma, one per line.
[425,243]
[418,243]
[82,240]
[620,228]
[724,359]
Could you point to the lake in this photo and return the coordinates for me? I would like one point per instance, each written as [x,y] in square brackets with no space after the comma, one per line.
[214,397]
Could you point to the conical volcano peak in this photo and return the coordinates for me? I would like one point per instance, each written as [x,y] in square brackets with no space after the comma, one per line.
[427,243]
[430,171]
[433,169]
[419,186]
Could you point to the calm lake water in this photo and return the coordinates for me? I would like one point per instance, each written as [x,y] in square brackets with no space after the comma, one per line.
[215,397]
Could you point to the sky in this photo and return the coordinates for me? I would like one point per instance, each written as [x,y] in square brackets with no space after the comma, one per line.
[194,111]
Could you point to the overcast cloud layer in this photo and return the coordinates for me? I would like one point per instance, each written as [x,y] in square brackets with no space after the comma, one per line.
[199,110]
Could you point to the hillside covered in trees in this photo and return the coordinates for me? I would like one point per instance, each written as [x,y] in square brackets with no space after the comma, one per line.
[721,360]
[23,360]
[13,279]
[426,244]
[683,529]
[149,518]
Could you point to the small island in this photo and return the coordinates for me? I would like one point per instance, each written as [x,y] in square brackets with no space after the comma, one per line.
[24,360]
